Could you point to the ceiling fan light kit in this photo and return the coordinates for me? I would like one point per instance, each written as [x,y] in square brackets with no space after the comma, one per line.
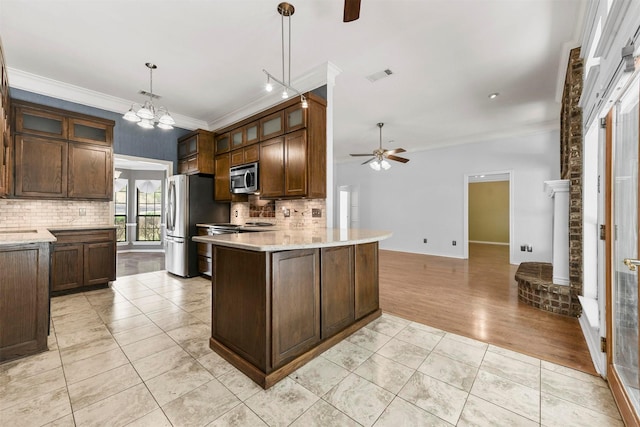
[381,156]
[146,115]
[285,10]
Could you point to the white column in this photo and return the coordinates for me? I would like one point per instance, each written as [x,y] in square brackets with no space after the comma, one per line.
[559,191]
[330,202]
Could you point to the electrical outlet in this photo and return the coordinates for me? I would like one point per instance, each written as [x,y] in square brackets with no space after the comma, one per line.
[529,248]
[425,240]
[82,212]
[286,212]
[316,213]
[453,243]
[523,248]
[236,214]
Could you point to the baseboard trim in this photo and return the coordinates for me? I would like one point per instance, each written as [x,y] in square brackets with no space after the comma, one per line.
[489,243]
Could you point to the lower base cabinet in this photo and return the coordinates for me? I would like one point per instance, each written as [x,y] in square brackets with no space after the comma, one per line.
[24,300]
[274,311]
[81,259]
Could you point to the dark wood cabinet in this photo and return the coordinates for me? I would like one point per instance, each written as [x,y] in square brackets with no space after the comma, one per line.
[204,253]
[60,154]
[195,153]
[337,289]
[274,311]
[272,168]
[223,144]
[245,155]
[81,259]
[292,149]
[40,167]
[367,297]
[90,172]
[5,129]
[272,125]
[222,192]
[295,164]
[295,294]
[24,299]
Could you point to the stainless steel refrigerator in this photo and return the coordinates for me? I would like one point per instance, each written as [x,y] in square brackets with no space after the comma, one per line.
[189,202]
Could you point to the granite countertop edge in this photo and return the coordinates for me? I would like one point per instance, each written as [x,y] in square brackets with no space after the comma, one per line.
[282,240]
[26,235]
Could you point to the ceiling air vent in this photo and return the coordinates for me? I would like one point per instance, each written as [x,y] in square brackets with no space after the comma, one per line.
[145,93]
[379,75]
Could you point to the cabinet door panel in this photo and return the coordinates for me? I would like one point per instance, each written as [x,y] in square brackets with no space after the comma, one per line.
[337,289]
[41,123]
[99,263]
[67,266]
[272,125]
[366,286]
[222,143]
[90,131]
[252,153]
[295,118]
[295,160]
[272,168]
[222,180]
[237,138]
[237,157]
[90,172]
[41,167]
[252,133]
[295,303]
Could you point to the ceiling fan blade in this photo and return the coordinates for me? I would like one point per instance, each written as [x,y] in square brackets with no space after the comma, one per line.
[360,154]
[397,159]
[351,10]
[394,151]
[364,163]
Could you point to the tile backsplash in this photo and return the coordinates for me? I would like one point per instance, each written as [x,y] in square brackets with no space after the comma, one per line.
[21,213]
[299,213]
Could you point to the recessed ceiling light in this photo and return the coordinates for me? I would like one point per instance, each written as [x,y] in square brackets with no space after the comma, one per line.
[493,95]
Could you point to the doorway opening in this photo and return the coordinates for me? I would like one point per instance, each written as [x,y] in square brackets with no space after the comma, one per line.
[488,214]
[348,214]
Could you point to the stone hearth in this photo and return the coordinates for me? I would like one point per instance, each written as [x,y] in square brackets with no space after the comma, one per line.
[536,288]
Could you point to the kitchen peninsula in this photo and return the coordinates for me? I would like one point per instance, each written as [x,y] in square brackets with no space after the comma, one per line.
[282,297]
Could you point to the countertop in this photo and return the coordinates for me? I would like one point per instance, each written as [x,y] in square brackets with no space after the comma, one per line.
[283,240]
[24,235]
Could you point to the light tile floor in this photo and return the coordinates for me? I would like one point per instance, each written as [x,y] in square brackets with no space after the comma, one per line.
[137,354]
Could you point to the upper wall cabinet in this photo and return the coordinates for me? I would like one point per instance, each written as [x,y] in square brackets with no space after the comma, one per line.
[61,154]
[5,128]
[292,152]
[223,143]
[195,153]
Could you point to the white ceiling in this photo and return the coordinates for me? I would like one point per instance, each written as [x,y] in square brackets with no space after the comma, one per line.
[447,56]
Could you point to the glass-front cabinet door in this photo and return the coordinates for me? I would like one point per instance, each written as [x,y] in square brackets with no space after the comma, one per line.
[222,143]
[295,118]
[89,131]
[252,133]
[40,123]
[623,317]
[272,125]
[236,138]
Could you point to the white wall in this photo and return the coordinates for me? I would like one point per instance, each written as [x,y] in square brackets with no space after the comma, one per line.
[425,197]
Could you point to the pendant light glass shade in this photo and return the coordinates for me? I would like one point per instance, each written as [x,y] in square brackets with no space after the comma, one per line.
[146,115]
[385,164]
[375,165]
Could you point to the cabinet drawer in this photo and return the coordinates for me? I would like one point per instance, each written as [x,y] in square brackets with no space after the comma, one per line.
[84,236]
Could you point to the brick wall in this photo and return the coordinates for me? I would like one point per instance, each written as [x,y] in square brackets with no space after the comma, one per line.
[571,149]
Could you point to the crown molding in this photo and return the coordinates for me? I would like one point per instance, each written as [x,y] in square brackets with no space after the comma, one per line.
[67,92]
[319,76]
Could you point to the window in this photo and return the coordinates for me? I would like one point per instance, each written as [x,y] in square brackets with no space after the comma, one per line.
[149,208]
[120,201]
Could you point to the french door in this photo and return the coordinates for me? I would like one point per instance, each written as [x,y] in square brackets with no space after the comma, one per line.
[623,349]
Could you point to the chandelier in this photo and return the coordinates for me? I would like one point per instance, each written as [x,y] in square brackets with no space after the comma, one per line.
[147,116]
[285,10]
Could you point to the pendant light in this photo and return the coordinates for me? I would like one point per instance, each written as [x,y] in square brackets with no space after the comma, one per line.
[147,115]
[285,10]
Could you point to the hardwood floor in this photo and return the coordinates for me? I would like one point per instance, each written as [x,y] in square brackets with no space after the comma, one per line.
[478,298]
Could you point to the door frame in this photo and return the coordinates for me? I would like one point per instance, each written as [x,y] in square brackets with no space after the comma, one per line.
[465,219]
[616,385]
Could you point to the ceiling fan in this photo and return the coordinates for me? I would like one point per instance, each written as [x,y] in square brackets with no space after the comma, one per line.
[380,155]
[351,10]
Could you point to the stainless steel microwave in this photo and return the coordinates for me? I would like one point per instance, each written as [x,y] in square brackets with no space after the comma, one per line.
[244,178]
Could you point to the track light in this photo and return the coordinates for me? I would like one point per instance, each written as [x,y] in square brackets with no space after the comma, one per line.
[285,10]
